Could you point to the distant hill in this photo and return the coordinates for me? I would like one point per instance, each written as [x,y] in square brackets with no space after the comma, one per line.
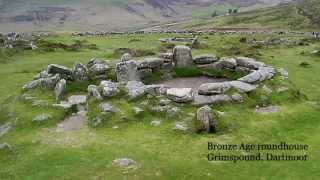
[30,15]
[293,16]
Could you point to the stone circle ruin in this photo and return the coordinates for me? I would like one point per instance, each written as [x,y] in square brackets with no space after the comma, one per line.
[136,78]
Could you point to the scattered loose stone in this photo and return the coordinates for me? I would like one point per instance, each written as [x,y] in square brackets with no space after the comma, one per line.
[164,102]
[282,89]
[4,129]
[106,107]
[181,126]
[237,97]
[5,146]
[60,89]
[266,89]
[156,123]
[268,110]
[138,111]
[207,120]
[180,95]
[42,117]
[284,73]
[125,163]
[63,105]
[93,92]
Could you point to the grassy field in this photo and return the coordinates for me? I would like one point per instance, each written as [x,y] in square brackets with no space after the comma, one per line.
[39,152]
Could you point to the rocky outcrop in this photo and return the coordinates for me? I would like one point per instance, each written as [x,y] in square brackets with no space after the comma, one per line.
[206,120]
[182,56]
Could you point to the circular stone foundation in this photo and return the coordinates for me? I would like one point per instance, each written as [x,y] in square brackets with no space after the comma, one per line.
[191,82]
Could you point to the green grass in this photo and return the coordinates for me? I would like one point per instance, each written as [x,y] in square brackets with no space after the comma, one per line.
[38,152]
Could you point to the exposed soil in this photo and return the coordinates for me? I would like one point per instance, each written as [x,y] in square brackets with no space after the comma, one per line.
[191,82]
[73,123]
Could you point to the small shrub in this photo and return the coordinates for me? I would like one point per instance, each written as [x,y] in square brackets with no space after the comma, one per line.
[304,64]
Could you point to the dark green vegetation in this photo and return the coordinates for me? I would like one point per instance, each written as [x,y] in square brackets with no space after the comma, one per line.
[38,152]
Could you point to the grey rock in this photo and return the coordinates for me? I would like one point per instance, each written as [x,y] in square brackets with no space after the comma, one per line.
[205,59]
[264,73]
[93,91]
[136,89]
[4,129]
[63,105]
[181,126]
[5,146]
[126,57]
[137,110]
[127,71]
[144,73]
[109,89]
[208,100]
[249,63]
[42,117]
[284,73]
[80,72]
[206,119]
[106,107]
[156,90]
[63,71]
[43,83]
[125,163]
[60,89]
[214,88]
[226,63]
[237,97]
[242,87]
[266,89]
[98,68]
[77,100]
[166,56]
[268,110]
[150,63]
[155,123]
[164,102]
[180,95]
[182,56]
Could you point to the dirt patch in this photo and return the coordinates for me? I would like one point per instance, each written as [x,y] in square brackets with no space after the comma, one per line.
[73,123]
[191,82]
[268,110]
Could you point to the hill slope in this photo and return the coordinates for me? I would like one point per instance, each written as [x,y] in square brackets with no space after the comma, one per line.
[17,15]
